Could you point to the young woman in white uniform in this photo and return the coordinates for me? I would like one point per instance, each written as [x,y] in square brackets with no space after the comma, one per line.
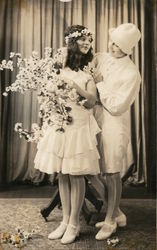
[117,92]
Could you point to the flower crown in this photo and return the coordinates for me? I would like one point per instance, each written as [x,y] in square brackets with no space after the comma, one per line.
[77,33]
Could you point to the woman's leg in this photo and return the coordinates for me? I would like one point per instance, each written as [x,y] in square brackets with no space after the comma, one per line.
[114,189]
[113,182]
[117,210]
[64,190]
[114,186]
[77,198]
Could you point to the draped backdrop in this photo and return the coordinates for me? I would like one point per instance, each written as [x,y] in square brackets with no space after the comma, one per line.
[27,25]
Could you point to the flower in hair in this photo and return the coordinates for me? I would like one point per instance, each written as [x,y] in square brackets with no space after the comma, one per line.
[77,33]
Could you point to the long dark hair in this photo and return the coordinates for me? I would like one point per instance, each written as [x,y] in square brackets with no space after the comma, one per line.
[75,59]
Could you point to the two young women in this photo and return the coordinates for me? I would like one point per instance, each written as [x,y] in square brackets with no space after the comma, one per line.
[73,153]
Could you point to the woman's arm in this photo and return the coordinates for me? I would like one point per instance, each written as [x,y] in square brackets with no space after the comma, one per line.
[118,101]
[90,93]
[96,63]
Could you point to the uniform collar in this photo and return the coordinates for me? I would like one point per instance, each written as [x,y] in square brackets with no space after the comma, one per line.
[120,60]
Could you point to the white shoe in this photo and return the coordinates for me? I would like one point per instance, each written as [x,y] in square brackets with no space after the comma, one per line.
[121,221]
[71,233]
[100,224]
[58,233]
[106,231]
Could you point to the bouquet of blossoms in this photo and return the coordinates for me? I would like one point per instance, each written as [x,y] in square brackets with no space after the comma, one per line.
[19,238]
[53,92]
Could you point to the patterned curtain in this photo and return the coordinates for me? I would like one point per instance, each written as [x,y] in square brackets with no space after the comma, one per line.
[27,25]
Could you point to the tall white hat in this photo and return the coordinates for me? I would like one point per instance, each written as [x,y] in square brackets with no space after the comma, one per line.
[126,36]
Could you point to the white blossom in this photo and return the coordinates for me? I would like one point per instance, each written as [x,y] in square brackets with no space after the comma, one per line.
[18,54]
[77,33]
[53,92]
[17,126]
[12,54]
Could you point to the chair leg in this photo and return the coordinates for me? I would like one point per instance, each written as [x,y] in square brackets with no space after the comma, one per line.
[91,197]
[86,212]
[56,201]
[52,204]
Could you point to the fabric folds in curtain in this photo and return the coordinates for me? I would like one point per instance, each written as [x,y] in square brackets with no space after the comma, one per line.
[27,25]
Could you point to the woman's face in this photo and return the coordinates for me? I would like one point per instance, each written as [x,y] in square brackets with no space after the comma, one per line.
[115,51]
[84,44]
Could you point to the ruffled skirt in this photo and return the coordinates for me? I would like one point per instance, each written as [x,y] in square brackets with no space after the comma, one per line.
[72,152]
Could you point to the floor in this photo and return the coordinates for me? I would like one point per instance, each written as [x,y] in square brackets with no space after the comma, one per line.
[139,234]
[22,203]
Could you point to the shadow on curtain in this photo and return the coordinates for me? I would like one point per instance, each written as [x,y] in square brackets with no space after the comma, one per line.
[33,25]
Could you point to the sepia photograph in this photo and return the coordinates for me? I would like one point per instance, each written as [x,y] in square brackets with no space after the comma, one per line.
[78,124]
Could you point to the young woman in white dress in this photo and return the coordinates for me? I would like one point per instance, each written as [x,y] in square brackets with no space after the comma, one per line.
[73,154]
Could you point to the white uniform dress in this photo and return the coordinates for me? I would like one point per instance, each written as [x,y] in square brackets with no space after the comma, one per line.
[117,93]
[74,151]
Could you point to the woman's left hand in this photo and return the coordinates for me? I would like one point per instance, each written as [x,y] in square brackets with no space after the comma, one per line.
[66,77]
[70,82]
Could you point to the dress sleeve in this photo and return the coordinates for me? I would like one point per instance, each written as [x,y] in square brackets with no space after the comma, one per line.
[119,101]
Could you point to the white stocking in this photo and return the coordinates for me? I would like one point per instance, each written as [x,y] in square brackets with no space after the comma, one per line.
[117,210]
[114,195]
[77,198]
[64,190]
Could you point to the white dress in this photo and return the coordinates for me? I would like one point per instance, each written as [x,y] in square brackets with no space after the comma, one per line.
[75,151]
[117,93]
